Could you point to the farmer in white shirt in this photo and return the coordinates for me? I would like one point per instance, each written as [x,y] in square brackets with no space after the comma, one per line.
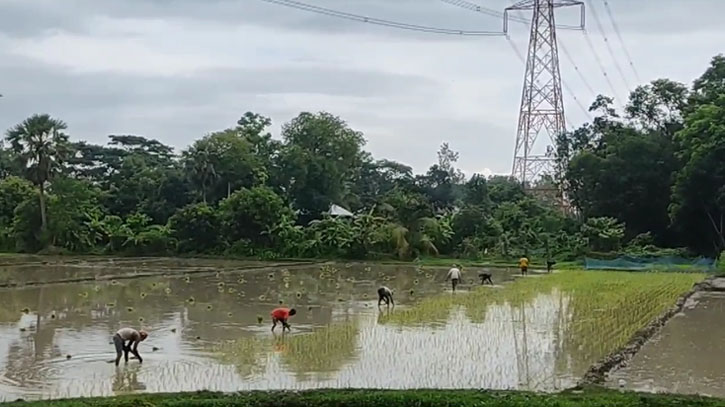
[133,337]
[454,274]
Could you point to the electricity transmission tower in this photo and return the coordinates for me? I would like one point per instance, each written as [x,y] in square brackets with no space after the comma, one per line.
[542,110]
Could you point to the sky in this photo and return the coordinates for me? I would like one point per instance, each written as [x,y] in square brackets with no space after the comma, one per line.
[175,70]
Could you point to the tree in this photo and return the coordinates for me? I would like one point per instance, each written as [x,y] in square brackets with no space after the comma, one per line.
[476,192]
[252,214]
[698,206]
[658,106]
[196,227]
[221,163]
[320,153]
[709,87]
[41,145]
[604,234]
[13,192]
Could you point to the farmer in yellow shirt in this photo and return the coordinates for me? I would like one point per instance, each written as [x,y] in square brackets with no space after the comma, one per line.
[524,265]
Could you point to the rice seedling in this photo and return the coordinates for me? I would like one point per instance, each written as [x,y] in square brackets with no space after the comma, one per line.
[220,284]
[111,304]
[603,309]
[324,350]
[298,295]
[167,290]
[221,290]
[281,302]
[173,330]
[242,294]
[209,307]
[270,276]
[262,297]
[187,279]
[25,310]
[52,316]
[415,282]
[143,295]
[241,281]
[190,300]
[259,319]
[244,354]
[97,288]
[68,356]
[129,309]
[141,319]
[231,290]
[229,314]
[22,329]
[114,282]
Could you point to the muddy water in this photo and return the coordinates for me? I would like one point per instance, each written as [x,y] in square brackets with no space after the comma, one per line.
[687,356]
[55,339]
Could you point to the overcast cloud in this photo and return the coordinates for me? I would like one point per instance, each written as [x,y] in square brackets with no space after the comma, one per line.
[175,70]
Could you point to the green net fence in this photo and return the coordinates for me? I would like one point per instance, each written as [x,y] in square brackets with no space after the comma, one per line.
[665,263]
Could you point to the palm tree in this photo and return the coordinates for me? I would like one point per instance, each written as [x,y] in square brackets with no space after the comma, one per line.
[41,145]
[200,163]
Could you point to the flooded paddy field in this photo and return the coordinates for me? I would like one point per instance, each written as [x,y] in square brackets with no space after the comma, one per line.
[535,333]
[687,356]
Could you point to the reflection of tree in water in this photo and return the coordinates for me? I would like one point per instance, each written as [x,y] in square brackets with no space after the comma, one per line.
[320,353]
[246,354]
[126,380]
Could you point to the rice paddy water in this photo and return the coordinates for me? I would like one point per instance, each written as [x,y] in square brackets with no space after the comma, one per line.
[535,333]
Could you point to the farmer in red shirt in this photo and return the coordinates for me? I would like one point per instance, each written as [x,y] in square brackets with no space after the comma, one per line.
[282,315]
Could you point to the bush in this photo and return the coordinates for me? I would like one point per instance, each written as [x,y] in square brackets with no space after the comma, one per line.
[196,227]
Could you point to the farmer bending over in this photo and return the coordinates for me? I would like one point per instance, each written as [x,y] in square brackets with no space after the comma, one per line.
[133,337]
[282,315]
[386,295]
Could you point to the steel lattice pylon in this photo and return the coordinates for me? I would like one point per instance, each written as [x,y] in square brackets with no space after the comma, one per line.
[542,108]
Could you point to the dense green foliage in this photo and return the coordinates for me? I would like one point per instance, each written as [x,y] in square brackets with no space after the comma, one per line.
[375,398]
[658,169]
[653,177]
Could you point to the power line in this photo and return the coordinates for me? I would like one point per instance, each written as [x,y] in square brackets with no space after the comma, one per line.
[495,13]
[609,46]
[379,21]
[621,41]
[601,65]
[576,68]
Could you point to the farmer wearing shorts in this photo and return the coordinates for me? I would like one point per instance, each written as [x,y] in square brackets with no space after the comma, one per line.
[281,315]
[454,274]
[524,265]
[133,337]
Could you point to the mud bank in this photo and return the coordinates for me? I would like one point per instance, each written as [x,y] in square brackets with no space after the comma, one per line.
[598,372]
[129,275]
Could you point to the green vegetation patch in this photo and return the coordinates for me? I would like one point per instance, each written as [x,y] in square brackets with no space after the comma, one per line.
[374,398]
[602,309]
